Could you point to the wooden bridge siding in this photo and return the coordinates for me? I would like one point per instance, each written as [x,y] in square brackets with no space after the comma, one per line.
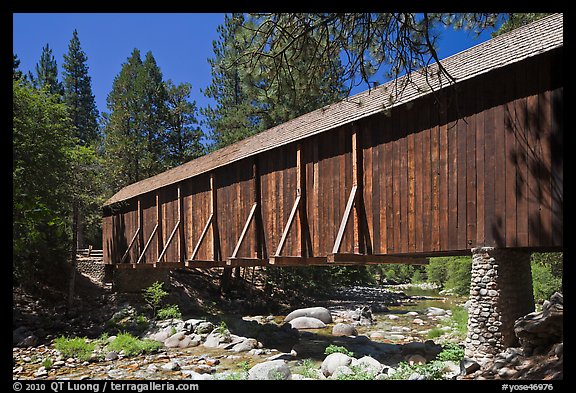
[277,170]
[484,169]
[196,209]
[235,196]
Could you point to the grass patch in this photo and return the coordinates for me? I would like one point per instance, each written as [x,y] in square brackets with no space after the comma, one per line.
[76,347]
[133,346]
[451,352]
[459,320]
[435,333]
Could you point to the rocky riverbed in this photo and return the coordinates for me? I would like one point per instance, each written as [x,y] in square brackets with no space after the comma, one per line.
[359,333]
[356,319]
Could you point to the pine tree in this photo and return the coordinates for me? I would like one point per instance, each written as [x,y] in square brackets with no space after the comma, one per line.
[78,93]
[135,128]
[153,98]
[47,73]
[183,133]
[233,118]
[253,97]
[123,125]
[16,73]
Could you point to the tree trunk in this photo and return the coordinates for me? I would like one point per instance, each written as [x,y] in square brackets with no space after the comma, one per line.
[73,254]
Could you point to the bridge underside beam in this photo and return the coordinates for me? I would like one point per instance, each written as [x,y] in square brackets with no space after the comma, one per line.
[280,260]
[373,259]
[245,262]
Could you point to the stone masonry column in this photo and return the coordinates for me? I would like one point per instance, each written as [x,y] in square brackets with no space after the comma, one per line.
[500,292]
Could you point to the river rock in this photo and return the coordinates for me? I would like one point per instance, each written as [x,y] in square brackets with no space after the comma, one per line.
[341,371]
[306,323]
[320,313]
[204,327]
[216,339]
[245,345]
[333,361]
[112,355]
[369,364]
[41,372]
[435,311]
[393,317]
[344,329]
[171,366]
[468,366]
[270,370]
[450,369]
[538,331]
[174,340]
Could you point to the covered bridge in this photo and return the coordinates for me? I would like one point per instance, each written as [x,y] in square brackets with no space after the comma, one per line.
[396,173]
[401,172]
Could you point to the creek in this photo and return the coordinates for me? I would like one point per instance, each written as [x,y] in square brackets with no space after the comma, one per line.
[395,316]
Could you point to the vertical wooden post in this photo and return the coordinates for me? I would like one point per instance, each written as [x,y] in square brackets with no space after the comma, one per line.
[213,212]
[159,239]
[356,181]
[141,227]
[315,192]
[258,213]
[300,191]
[181,248]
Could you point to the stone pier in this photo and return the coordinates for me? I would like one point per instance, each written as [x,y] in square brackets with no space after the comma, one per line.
[500,292]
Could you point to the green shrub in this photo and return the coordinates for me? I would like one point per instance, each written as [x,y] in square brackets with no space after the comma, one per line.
[76,347]
[308,369]
[546,275]
[431,371]
[437,271]
[459,275]
[47,363]
[132,345]
[222,328]
[451,352]
[170,311]
[335,348]
[154,294]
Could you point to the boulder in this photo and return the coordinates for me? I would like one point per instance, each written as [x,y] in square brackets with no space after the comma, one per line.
[538,331]
[468,366]
[306,323]
[450,369]
[344,329]
[369,365]
[333,361]
[320,313]
[245,345]
[174,340]
[191,324]
[112,355]
[215,339]
[341,371]
[435,311]
[204,327]
[270,370]
[171,366]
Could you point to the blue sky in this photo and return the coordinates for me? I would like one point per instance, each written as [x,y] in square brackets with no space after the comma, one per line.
[181,44]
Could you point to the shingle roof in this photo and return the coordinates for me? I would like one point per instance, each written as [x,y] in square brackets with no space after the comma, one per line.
[530,40]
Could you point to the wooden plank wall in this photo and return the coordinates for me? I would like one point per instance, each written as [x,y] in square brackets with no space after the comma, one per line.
[479,165]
